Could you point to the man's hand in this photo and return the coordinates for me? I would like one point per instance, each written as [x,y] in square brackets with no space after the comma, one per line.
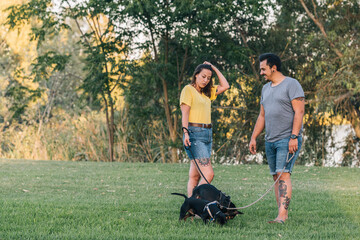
[252,146]
[293,145]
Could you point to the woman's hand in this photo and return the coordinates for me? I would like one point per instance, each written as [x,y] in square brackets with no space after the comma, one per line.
[208,63]
[187,142]
[185,111]
[223,83]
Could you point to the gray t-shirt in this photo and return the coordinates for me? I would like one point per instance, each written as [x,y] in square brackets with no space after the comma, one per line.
[279,114]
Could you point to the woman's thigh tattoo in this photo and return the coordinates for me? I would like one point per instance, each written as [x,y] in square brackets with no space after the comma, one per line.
[204,162]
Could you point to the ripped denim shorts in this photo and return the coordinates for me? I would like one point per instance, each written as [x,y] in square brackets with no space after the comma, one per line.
[201,142]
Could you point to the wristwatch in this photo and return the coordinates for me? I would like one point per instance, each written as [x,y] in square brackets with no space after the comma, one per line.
[293,136]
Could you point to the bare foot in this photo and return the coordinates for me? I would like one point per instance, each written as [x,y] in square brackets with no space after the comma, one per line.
[277,221]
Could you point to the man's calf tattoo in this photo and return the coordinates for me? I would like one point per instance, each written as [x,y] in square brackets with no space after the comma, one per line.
[286,203]
[283,192]
[282,188]
[204,162]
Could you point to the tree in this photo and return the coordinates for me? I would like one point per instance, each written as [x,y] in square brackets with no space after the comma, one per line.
[322,51]
[343,68]
[178,36]
[104,40]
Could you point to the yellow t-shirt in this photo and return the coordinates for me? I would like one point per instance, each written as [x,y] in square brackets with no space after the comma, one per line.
[200,104]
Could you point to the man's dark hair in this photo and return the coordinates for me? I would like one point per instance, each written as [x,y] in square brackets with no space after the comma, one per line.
[271,60]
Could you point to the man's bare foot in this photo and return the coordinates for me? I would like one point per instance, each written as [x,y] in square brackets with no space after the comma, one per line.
[277,221]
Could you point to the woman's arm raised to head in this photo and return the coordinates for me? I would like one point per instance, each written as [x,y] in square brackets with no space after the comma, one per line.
[223,83]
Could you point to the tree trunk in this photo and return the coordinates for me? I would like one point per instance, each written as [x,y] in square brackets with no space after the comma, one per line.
[162,154]
[355,122]
[111,132]
[172,129]
[251,60]
[110,127]
[171,120]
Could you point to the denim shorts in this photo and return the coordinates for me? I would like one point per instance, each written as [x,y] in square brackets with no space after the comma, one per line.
[276,154]
[201,142]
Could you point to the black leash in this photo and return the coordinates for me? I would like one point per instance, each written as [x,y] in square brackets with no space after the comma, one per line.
[189,148]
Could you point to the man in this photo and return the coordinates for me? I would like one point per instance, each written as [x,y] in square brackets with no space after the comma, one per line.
[281,113]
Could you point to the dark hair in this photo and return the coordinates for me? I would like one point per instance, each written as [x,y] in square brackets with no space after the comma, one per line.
[271,60]
[207,89]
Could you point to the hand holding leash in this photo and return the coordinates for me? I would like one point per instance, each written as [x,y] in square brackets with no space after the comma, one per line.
[187,142]
[189,148]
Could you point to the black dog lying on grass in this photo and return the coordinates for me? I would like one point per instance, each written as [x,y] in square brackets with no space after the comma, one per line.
[205,209]
[210,193]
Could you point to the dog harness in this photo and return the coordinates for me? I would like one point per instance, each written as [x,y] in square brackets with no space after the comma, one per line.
[206,208]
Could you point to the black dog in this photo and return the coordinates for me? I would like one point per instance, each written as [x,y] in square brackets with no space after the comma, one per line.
[205,209]
[210,193]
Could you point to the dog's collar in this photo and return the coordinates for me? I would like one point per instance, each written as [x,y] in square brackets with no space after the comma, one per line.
[220,196]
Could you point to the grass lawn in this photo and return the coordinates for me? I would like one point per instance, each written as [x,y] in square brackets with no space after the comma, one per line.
[88,200]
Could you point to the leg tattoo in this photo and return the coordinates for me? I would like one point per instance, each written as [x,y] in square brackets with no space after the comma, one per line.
[286,203]
[282,193]
[282,188]
[204,162]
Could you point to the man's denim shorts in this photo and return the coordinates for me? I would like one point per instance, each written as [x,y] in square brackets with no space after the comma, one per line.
[276,154]
[201,143]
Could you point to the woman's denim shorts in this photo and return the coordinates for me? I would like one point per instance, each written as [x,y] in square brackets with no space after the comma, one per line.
[201,142]
[276,155]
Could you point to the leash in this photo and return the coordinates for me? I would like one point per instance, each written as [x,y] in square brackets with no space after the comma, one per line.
[189,148]
[270,188]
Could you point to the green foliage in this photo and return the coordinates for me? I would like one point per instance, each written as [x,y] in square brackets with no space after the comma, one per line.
[15,93]
[104,44]
[326,65]
[57,63]
[148,50]
[19,97]
[41,10]
[179,36]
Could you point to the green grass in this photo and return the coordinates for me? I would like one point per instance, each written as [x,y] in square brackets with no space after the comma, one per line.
[88,200]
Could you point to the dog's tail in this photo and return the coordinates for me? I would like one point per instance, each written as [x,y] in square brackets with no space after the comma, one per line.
[180,194]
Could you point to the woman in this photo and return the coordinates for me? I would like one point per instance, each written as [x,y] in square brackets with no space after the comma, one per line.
[195,104]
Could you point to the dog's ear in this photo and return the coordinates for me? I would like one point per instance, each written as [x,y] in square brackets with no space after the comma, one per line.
[182,214]
[232,205]
[225,194]
[184,209]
